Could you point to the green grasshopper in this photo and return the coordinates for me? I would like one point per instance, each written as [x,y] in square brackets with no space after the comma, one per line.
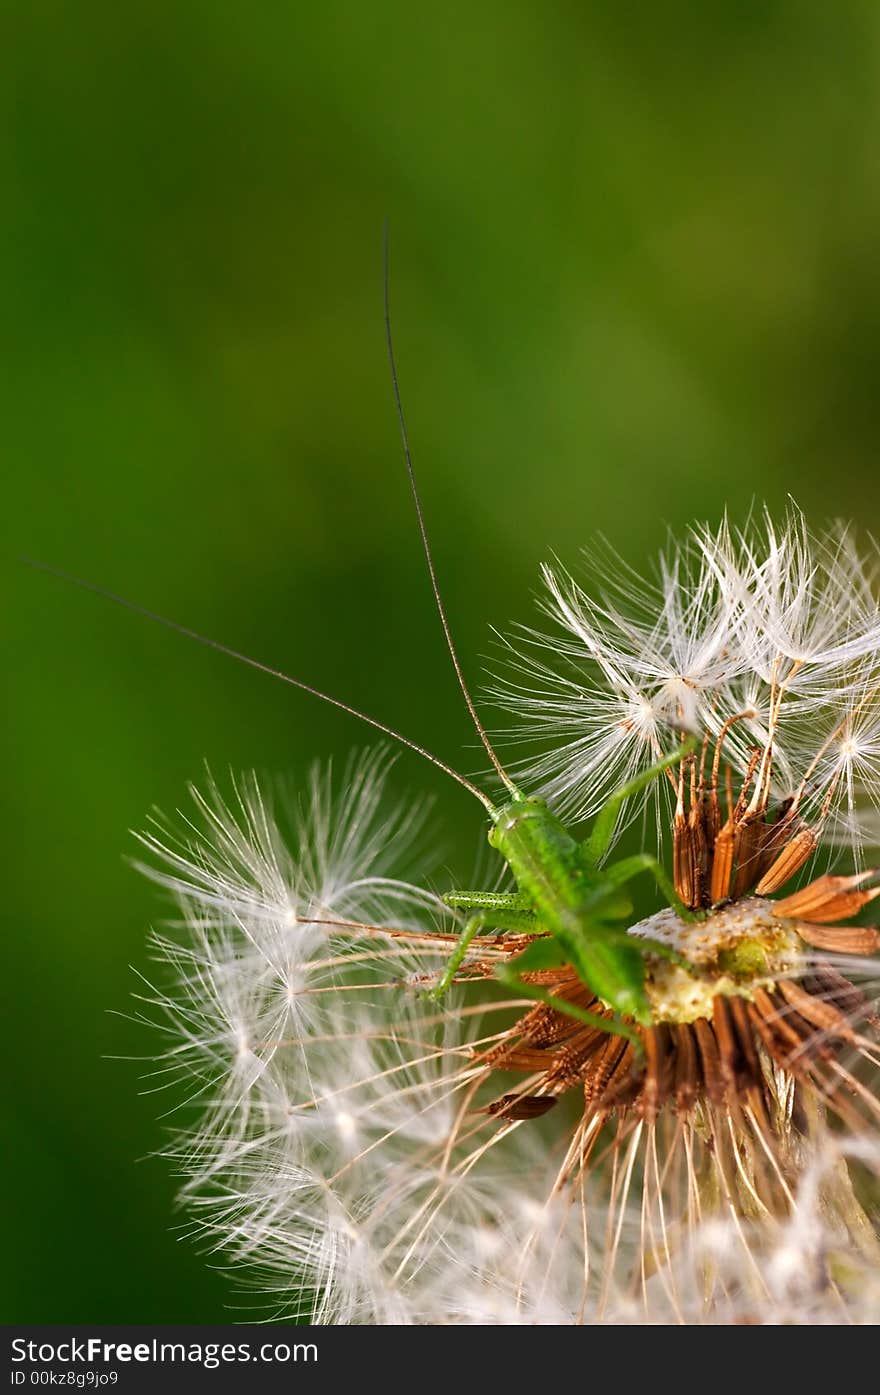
[565,897]
[572,904]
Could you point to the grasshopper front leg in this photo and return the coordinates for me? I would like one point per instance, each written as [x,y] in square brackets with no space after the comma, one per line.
[486,901]
[496,917]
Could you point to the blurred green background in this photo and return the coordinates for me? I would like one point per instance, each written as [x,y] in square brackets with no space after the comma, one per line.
[635,279]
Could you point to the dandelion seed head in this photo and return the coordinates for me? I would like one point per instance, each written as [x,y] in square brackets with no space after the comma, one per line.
[359,1153]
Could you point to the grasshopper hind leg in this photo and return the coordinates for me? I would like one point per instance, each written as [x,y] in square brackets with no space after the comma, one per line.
[613,1026]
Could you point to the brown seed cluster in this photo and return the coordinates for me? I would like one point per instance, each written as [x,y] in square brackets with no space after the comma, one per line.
[718,855]
[797,1026]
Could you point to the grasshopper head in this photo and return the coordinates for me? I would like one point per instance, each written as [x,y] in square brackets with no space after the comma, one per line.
[521,809]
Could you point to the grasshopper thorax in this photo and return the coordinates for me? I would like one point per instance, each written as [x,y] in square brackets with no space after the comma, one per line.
[526,833]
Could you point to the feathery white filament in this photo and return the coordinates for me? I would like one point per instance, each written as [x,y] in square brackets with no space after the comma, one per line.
[768,622]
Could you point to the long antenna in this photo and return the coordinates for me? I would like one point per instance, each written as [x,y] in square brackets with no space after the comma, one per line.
[426,546]
[263,668]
